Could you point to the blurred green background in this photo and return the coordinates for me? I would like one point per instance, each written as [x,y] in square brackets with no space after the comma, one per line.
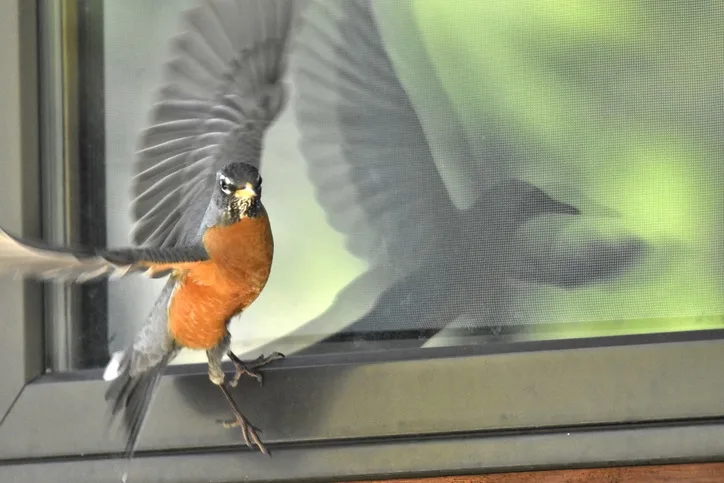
[621,99]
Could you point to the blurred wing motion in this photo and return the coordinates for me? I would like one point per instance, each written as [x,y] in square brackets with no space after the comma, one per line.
[222,88]
[367,153]
[44,262]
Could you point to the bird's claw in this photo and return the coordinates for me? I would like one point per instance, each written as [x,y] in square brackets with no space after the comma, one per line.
[248,368]
[240,371]
[248,431]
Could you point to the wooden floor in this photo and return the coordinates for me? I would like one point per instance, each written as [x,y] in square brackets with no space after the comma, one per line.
[693,473]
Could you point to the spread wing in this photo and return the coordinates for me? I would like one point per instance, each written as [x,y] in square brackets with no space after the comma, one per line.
[44,262]
[366,150]
[222,88]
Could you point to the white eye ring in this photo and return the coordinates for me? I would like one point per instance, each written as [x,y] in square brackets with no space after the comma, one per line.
[225,185]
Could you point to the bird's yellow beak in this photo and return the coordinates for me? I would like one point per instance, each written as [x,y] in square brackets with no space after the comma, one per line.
[246,192]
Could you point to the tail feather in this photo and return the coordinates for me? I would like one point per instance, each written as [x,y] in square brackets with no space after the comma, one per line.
[136,372]
[133,394]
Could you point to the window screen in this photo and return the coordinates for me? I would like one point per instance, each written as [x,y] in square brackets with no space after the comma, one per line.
[456,173]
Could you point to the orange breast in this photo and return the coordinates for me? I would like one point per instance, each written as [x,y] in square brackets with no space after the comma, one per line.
[212,292]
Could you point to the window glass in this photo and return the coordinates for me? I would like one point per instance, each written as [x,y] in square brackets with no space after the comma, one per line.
[463,172]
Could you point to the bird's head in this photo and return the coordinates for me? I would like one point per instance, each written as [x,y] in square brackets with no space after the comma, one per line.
[238,191]
[522,201]
[535,201]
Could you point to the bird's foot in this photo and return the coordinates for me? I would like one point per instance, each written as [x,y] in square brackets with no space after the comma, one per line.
[248,368]
[248,431]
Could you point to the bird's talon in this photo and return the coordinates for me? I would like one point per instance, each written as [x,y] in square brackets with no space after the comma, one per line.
[264,360]
[228,424]
[249,432]
[251,436]
[242,367]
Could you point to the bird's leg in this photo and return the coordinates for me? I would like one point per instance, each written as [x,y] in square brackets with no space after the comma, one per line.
[248,368]
[248,431]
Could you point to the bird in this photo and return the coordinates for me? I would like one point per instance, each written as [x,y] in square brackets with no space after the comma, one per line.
[223,87]
[210,281]
[199,217]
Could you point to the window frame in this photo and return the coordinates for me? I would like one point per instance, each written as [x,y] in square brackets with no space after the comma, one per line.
[395,459]
[586,402]
[676,418]
[72,162]
[21,344]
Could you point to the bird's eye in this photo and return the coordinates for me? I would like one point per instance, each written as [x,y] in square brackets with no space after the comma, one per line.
[225,186]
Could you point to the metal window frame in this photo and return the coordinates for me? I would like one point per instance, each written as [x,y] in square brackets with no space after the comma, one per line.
[72,132]
[21,343]
[397,459]
[553,404]
[570,403]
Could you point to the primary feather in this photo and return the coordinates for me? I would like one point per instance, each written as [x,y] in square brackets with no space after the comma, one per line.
[222,89]
[45,262]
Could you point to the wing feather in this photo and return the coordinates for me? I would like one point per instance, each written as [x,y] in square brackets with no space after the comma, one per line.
[367,153]
[222,88]
[44,262]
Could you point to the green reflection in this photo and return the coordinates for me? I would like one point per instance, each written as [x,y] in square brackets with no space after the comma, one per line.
[621,99]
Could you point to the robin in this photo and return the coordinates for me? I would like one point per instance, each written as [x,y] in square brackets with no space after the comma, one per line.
[200,218]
